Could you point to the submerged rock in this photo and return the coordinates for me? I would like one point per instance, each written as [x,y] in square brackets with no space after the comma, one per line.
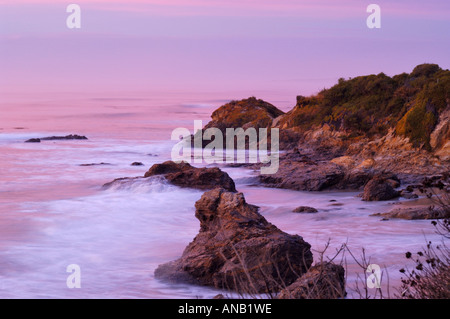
[305,209]
[185,175]
[323,281]
[237,249]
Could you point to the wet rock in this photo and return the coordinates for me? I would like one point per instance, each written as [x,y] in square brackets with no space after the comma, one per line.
[185,175]
[305,209]
[322,281]
[379,188]
[237,249]
[412,213]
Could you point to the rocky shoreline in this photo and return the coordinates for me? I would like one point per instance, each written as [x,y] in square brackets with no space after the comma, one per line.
[327,144]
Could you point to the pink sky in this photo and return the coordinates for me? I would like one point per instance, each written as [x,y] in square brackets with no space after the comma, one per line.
[293,47]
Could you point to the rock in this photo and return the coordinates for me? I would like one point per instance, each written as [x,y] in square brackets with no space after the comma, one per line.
[441,134]
[367,163]
[33,140]
[322,281]
[137,164]
[185,175]
[412,213]
[304,175]
[237,249]
[219,296]
[53,138]
[379,188]
[344,161]
[305,209]
[408,195]
[67,137]
[95,164]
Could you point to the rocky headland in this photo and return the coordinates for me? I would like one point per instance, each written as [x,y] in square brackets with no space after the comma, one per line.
[358,130]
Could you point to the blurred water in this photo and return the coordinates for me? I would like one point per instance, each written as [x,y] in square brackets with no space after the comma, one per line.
[53,212]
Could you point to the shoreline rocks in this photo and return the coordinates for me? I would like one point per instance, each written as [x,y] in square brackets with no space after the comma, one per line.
[237,249]
[414,213]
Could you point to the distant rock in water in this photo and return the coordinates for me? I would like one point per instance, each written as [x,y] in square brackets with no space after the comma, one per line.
[238,249]
[56,138]
[381,188]
[185,175]
[95,164]
[305,209]
[322,281]
[33,140]
[137,164]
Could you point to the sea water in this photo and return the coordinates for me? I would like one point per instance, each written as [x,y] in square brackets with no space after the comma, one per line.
[54,211]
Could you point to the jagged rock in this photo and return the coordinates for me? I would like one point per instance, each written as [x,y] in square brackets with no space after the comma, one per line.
[185,175]
[380,188]
[412,213]
[322,281]
[305,209]
[238,249]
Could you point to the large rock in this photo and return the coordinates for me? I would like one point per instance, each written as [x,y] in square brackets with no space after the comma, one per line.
[301,173]
[249,112]
[380,188]
[185,175]
[180,174]
[237,249]
[323,281]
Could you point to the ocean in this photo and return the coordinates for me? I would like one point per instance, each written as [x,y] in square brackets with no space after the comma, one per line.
[54,211]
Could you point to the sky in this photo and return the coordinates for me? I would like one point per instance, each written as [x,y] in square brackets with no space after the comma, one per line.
[285,46]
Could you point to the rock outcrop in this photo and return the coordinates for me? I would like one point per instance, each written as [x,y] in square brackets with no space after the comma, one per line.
[185,175]
[323,281]
[237,249]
